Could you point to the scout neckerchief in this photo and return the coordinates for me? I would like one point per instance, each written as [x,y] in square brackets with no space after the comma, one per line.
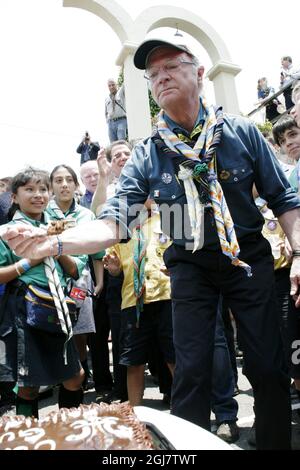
[139,259]
[204,173]
[55,289]
[54,209]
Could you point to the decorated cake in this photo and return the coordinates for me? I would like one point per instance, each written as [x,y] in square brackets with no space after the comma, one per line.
[56,227]
[89,427]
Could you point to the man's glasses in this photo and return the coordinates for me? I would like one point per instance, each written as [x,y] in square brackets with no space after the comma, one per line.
[172,66]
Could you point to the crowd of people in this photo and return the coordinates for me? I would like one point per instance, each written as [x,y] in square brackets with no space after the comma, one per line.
[194,227]
[277,106]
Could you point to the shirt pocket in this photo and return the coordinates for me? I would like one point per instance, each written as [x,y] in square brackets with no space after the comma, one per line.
[237,175]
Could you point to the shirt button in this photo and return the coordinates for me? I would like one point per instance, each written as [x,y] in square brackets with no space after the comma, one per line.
[234,172]
[235,179]
[173,196]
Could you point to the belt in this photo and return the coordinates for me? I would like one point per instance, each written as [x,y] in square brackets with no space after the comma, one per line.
[117,119]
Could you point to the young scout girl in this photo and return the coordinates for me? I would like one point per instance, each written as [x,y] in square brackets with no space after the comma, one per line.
[32,357]
[63,206]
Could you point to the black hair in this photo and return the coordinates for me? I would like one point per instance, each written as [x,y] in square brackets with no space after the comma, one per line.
[288,58]
[69,169]
[22,178]
[29,174]
[7,180]
[283,124]
[258,82]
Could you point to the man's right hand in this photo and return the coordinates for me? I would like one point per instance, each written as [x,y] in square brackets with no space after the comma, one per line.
[27,241]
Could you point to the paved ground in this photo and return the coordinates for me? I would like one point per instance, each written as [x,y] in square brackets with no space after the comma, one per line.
[153,399]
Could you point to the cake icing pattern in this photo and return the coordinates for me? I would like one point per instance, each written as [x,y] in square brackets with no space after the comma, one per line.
[89,427]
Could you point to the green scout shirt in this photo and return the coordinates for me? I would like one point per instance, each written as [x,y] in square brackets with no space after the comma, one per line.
[35,275]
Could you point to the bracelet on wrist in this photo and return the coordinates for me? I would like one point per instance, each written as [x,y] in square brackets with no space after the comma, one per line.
[24,264]
[59,246]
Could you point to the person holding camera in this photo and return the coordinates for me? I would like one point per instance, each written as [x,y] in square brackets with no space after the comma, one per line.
[88,150]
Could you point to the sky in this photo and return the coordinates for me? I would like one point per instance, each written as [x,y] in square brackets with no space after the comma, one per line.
[55,62]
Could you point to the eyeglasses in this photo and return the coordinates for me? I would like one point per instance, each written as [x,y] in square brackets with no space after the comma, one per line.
[172,66]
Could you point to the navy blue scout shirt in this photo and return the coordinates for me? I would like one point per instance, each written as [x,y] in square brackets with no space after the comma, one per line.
[243,159]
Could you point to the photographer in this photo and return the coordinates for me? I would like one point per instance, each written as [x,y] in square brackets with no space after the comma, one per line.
[88,150]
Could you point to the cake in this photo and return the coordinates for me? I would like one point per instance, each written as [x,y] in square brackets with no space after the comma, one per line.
[56,227]
[89,427]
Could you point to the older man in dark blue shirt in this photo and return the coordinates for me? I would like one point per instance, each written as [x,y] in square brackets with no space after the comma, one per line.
[200,167]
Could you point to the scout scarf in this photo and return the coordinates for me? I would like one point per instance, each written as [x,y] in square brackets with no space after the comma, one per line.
[202,170]
[139,259]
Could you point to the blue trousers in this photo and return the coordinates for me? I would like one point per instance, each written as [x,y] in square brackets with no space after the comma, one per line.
[117,130]
[197,280]
[224,406]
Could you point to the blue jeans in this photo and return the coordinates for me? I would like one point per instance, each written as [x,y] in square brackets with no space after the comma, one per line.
[224,406]
[117,130]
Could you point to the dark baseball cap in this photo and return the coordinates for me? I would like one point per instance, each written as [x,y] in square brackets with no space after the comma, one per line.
[147,47]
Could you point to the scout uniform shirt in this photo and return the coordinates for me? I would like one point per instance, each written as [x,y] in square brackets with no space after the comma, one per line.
[157,283]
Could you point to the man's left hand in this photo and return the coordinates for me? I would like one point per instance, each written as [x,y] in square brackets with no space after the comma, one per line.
[295,280]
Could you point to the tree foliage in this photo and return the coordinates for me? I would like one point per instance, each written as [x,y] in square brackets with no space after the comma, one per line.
[265,128]
[154,108]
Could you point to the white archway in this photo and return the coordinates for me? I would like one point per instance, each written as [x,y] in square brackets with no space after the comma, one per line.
[133,32]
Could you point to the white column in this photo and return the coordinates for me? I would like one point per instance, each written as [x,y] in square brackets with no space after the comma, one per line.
[136,92]
[222,74]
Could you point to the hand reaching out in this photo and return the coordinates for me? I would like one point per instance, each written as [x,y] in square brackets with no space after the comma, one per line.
[35,261]
[27,241]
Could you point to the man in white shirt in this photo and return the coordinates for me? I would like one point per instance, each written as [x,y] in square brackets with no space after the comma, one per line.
[288,73]
[115,112]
